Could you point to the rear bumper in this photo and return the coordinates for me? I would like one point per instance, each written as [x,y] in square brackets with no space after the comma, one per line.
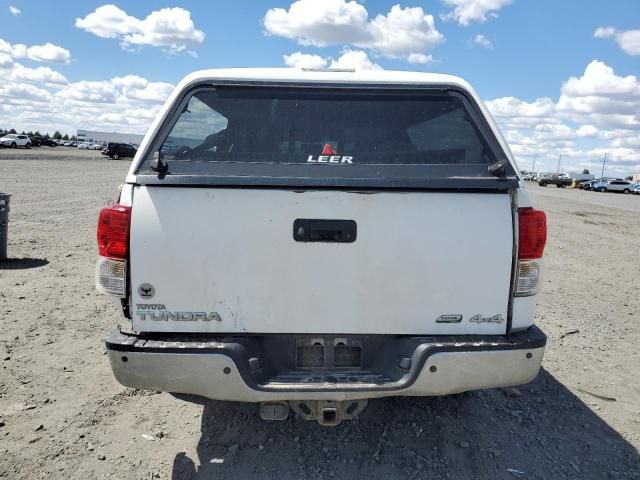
[227,369]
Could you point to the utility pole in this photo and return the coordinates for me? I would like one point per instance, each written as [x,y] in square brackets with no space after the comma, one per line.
[559,160]
[604,160]
[533,167]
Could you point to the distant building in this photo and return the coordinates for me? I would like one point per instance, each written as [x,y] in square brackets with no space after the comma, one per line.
[106,137]
[636,177]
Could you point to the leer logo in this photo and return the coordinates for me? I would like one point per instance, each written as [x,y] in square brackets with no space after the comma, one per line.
[329,155]
[329,150]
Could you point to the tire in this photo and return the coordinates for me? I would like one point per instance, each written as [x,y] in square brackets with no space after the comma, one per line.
[626,190]
[542,184]
[115,156]
[14,145]
[27,146]
[602,189]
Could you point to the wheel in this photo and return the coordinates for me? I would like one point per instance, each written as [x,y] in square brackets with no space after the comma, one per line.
[542,184]
[14,145]
[602,189]
[115,156]
[28,145]
[626,190]
[558,185]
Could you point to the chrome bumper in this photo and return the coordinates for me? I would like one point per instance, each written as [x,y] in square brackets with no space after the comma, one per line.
[219,369]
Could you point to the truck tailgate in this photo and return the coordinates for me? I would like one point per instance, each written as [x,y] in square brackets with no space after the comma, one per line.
[422,262]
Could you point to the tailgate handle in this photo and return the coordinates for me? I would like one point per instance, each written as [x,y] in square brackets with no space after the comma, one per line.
[315,230]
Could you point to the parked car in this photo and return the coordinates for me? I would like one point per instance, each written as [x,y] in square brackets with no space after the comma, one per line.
[560,181]
[636,189]
[84,146]
[588,184]
[13,140]
[284,290]
[120,150]
[106,147]
[613,186]
[44,141]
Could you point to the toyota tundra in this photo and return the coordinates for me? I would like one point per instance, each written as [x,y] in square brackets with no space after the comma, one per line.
[310,239]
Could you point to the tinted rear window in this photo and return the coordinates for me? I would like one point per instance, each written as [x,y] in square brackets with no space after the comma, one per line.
[319,133]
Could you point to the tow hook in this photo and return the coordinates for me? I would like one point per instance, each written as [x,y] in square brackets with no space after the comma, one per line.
[327,413]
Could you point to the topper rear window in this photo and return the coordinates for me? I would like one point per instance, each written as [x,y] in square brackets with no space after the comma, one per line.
[316,135]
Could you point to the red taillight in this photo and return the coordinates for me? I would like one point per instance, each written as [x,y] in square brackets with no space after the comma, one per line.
[533,233]
[113,231]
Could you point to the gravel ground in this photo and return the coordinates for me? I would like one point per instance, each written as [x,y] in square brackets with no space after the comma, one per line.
[62,414]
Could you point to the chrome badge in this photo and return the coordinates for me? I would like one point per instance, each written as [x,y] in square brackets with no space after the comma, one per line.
[480,319]
[449,318]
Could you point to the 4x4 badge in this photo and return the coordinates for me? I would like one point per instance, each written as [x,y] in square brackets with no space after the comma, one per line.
[480,319]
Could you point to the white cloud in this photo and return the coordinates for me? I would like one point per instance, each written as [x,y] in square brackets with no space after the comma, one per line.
[304,60]
[602,98]
[20,73]
[125,104]
[516,112]
[130,81]
[400,33]
[349,59]
[171,28]
[604,32]
[419,58]
[587,131]
[599,79]
[598,107]
[16,93]
[628,41]
[356,59]
[138,88]
[40,53]
[403,32]
[15,11]
[89,91]
[112,118]
[553,131]
[6,61]
[330,22]
[482,41]
[49,53]
[467,11]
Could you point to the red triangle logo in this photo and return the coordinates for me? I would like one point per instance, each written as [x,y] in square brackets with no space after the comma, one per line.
[328,150]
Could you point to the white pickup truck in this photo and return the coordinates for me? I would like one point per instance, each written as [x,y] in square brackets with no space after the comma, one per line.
[311,239]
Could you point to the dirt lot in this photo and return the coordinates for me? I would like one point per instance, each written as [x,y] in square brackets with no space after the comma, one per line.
[62,415]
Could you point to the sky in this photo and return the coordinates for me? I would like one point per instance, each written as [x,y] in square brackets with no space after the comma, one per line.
[562,78]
